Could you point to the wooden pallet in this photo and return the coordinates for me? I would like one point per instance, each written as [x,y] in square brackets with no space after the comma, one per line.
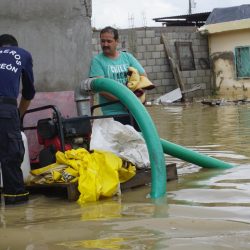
[70,190]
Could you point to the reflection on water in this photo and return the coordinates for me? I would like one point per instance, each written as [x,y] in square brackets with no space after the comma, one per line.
[204,209]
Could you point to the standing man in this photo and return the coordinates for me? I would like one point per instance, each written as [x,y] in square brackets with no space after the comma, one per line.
[15,64]
[113,64]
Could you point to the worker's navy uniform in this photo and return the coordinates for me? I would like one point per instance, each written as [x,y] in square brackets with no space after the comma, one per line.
[15,64]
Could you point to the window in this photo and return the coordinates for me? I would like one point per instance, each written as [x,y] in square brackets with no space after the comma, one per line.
[242,62]
[185,55]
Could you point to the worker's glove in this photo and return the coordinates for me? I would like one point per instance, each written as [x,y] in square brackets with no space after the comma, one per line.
[133,78]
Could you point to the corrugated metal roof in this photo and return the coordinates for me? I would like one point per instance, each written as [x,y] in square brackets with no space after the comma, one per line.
[197,19]
[220,15]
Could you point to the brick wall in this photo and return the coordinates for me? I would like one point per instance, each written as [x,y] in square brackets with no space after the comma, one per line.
[147,46]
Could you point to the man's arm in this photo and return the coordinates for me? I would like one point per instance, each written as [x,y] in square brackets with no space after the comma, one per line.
[96,70]
[23,106]
[108,96]
[28,90]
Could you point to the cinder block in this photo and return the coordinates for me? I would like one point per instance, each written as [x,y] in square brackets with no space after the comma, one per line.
[150,33]
[156,54]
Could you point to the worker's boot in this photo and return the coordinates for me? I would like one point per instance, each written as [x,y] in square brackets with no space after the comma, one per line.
[16,199]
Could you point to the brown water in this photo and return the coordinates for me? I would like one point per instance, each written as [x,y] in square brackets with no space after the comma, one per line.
[204,209]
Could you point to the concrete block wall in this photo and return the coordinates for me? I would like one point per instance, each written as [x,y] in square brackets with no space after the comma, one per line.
[147,46]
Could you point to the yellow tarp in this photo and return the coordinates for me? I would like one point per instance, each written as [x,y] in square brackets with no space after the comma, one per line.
[99,173]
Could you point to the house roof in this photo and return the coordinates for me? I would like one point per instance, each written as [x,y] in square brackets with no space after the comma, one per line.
[227,19]
[220,15]
[197,19]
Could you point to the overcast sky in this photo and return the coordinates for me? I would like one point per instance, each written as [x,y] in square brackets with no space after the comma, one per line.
[139,13]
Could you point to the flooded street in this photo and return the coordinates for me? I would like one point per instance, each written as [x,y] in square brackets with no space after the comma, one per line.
[203,209]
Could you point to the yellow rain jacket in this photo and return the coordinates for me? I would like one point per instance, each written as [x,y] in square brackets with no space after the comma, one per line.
[138,83]
[99,173]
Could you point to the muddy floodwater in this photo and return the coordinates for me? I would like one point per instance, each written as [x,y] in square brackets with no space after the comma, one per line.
[204,208]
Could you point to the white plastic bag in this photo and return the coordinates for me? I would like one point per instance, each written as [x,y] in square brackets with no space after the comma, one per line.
[122,140]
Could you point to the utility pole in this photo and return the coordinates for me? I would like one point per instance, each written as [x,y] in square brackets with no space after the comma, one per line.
[189,7]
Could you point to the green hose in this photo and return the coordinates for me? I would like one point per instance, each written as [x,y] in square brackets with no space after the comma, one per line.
[155,145]
[192,157]
[149,132]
